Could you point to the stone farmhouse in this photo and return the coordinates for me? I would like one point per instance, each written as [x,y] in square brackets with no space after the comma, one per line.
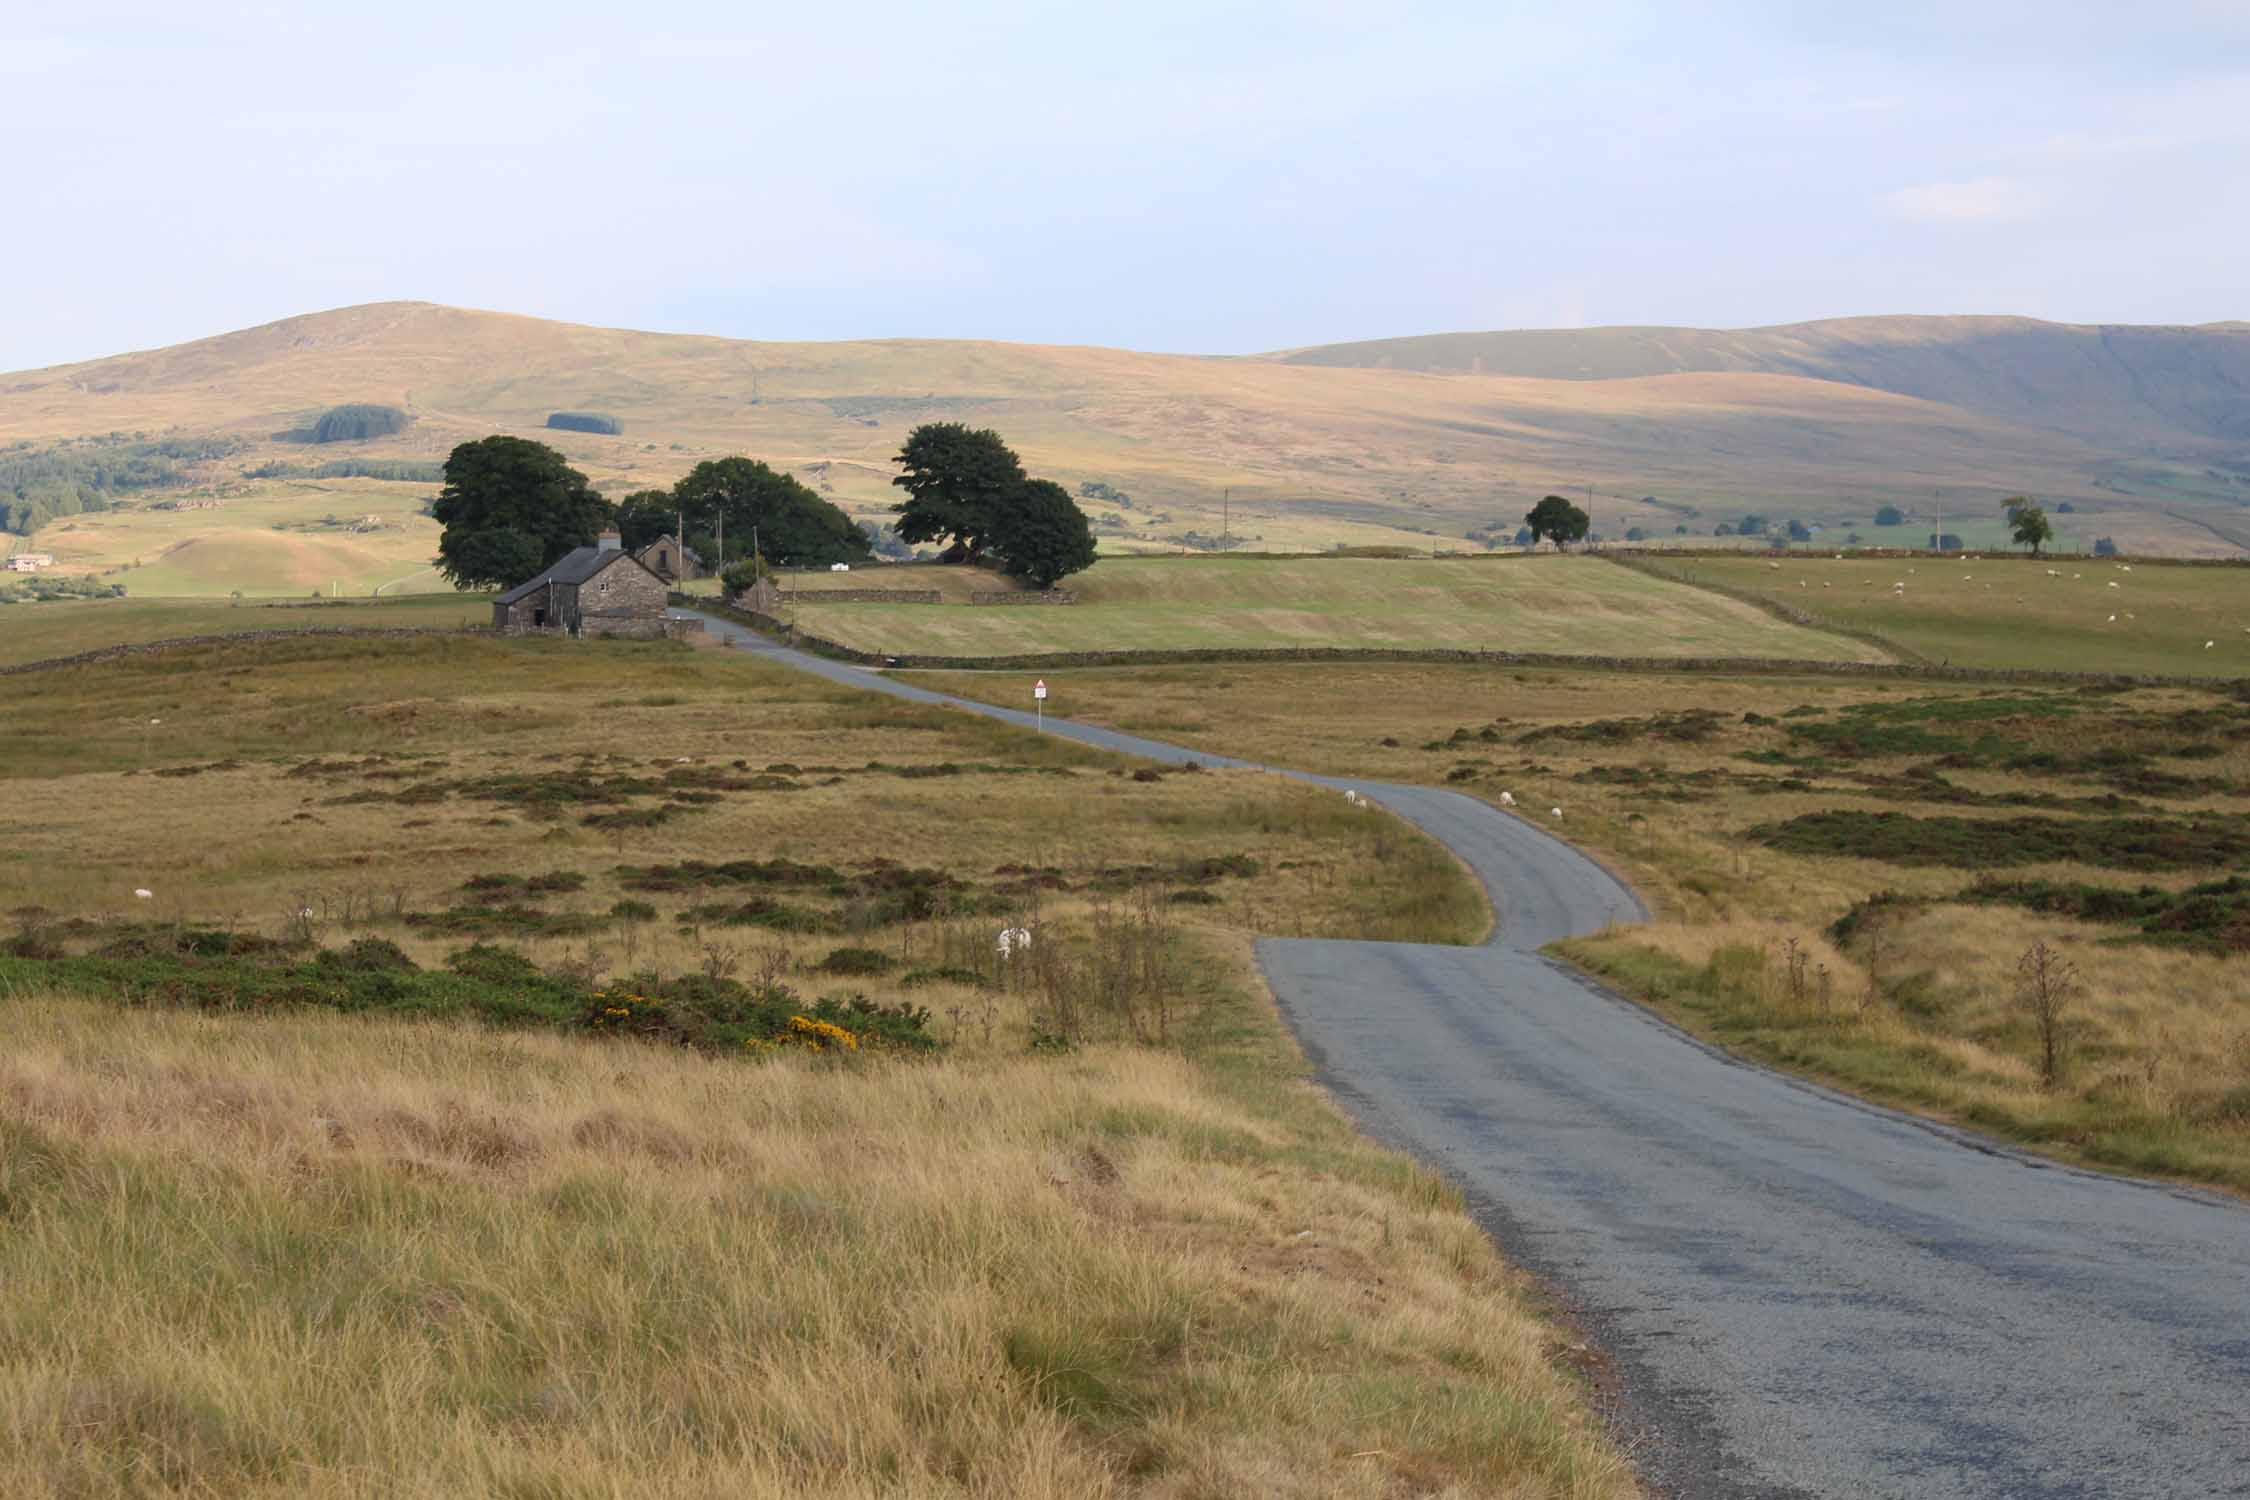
[597,590]
[670,561]
[30,562]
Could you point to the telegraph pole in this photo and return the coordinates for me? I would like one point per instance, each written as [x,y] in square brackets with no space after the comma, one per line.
[1226,514]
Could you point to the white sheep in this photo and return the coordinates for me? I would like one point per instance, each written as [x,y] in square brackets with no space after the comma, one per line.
[2113,619]
[2113,583]
[1507,799]
[143,893]
[1012,939]
[1556,811]
[2207,645]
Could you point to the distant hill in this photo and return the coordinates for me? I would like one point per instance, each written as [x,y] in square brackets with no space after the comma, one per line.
[2162,391]
[2143,431]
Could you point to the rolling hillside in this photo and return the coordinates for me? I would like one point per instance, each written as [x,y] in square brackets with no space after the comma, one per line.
[1402,441]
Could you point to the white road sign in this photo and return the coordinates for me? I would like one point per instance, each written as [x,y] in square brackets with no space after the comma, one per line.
[1039,688]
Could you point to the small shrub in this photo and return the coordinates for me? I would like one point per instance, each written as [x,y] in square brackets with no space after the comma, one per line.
[368,955]
[492,964]
[857,961]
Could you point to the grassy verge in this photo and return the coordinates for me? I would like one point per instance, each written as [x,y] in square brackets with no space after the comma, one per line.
[1908,842]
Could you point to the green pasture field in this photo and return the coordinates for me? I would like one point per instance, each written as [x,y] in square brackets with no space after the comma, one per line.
[35,632]
[1988,611]
[1561,604]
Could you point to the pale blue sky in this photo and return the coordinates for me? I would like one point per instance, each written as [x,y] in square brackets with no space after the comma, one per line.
[1206,176]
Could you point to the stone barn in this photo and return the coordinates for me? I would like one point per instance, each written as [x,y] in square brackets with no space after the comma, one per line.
[597,590]
[670,561]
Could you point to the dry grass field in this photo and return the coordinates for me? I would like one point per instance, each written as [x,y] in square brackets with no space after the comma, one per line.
[39,632]
[1092,1233]
[269,537]
[2071,614]
[1573,605]
[1313,456]
[1756,813]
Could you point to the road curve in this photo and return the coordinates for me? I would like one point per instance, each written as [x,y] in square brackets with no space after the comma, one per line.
[1803,1295]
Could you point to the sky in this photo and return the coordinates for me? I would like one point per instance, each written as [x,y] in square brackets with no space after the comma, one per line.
[1208,176]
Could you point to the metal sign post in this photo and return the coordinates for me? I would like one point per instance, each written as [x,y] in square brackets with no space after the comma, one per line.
[1039,702]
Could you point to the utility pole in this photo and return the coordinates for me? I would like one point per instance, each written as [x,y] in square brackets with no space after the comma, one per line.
[1226,514]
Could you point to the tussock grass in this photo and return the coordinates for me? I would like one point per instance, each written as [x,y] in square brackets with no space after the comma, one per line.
[1922,1005]
[303,1255]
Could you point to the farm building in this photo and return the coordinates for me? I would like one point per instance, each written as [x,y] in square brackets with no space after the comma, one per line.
[597,590]
[30,562]
[665,558]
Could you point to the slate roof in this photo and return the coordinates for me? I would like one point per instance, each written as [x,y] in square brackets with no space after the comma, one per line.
[576,567]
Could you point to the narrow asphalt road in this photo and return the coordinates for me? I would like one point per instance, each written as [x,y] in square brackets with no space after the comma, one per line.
[1802,1295]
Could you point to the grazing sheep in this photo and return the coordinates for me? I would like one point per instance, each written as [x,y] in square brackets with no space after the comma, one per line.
[2113,619]
[2207,645]
[1556,811]
[1012,939]
[2113,583]
[144,894]
[1507,799]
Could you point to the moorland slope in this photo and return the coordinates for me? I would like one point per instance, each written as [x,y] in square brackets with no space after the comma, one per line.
[1305,449]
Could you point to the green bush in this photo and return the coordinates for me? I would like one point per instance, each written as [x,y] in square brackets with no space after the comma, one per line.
[857,961]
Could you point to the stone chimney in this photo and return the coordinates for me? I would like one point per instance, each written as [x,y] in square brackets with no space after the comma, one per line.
[609,541]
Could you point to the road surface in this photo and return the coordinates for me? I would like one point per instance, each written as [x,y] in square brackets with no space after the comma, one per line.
[1801,1294]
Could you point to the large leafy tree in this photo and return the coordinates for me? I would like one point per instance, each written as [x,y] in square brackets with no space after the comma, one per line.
[1556,520]
[2028,524]
[1039,533]
[957,478]
[792,526]
[645,515]
[512,508]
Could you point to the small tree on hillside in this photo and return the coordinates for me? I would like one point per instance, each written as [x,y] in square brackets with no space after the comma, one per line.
[2028,524]
[1556,520]
[957,477]
[510,508]
[1040,535]
[1890,515]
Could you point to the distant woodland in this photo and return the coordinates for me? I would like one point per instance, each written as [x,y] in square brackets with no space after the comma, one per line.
[43,484]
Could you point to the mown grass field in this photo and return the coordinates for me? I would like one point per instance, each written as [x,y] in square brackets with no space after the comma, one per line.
[1099,1236]
[37,632]
[267,538]
[1562,604]
[2000,611]
[1756,813]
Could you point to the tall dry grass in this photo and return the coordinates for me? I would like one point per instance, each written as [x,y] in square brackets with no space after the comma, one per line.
[315,1256]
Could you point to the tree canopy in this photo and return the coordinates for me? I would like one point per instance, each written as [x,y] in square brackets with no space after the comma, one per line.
[358,420]
[2028,524]
[1040,535]
[512,508]
[792,526]
[1890,515]
[645,515]
[956,477]
[585,421]
[1557,520]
